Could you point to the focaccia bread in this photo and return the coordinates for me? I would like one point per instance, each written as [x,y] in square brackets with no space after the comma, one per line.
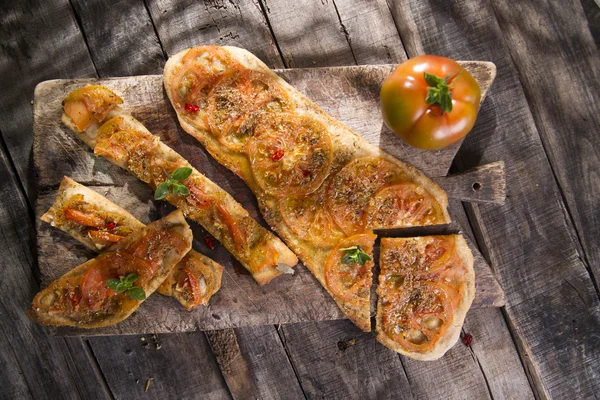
[94,115]
[319,185]
[98,223]
[83,298]
[426,286]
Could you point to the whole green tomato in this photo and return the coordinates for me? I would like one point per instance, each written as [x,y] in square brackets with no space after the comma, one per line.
[431,102]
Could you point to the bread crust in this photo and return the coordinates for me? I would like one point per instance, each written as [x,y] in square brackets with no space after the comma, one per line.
[452,334]
[174,222]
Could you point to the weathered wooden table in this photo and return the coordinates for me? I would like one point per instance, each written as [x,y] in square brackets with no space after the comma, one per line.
[541,117]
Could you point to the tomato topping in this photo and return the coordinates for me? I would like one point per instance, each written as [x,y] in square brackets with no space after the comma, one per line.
[191,108]
[103,238]
[306,217]
[95,294]
[84,218]
[403,205]
[350,282]
[154,244]
[188,281]
[418,315]
[111,225]
[197,197]
[351,189]
[232,225]
[236,103]
[201,68]
[283,148]
[430,102]
[89,103]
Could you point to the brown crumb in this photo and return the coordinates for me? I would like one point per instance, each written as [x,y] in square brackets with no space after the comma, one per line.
[352,342]
[148,384]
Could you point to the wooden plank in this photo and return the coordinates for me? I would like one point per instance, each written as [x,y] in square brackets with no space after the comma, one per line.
[177,366]
[570,136]
[592,13]
[34,365]
[336,360]
[550,298]
[40,40]
[183,24]
[482,184]
[120,37]
[254,363]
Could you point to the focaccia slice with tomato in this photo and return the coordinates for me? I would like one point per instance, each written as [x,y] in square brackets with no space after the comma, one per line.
[83,297]
[98,223]
[317,182]
[426,286]
[125,142]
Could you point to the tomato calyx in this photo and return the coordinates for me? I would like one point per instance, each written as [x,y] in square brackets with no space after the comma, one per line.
[439,92]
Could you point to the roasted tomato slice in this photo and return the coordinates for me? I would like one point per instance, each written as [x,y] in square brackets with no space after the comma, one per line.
[189,284]
[306,217]
[290,155]
[350,282]
[154,245]
[201,68]
[95,293]
[84,218]
[237,102]
[414,257]
[102,238]
[418,315]
[351,189]
[402,205]
[90,103]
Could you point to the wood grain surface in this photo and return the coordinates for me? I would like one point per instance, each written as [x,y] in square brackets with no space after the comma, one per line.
[240,302]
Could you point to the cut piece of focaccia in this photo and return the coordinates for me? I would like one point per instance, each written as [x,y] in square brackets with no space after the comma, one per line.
[83,297]
[98,223]
[319,185]
[426,286]
[124,141]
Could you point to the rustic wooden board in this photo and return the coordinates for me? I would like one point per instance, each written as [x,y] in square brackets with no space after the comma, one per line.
[240,302]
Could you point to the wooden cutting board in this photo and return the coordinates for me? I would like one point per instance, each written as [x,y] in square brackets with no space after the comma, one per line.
[350,94]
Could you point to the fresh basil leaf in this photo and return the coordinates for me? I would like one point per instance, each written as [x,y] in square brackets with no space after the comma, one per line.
[162,191]
[181,173]
[181,190]
[136,293]
[354,255]
[347,259]
[121,287]
[112,283]
[362,258]
[432,80]
[129,279]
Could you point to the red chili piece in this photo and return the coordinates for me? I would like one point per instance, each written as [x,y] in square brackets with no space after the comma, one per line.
[278,155]
[191,108]
[468,339]
[209,242]
[111,225]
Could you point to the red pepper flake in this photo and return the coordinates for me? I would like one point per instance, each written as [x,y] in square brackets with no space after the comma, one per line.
[278,155]
[191,108]
[209,242]
[467,339]
[111,225]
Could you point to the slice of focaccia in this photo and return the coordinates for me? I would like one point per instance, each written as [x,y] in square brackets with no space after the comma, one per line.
[139,263]
[98,223]
[426,286]
[319,185]
[125,142]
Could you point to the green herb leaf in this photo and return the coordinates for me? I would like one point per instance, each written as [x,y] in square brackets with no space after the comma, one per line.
[136,293]
[438,92]
[181,190]
[121,287]
[354,255]
[131,278]
[112,283]
[162,190]
[181,174]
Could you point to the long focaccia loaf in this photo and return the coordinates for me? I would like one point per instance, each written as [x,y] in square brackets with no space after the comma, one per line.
[94,115]
[81,297]
[98,223]
[319,185]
